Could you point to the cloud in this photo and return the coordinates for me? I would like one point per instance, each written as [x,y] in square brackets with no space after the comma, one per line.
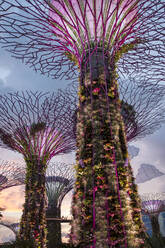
[147,172]
[133,151]
[3,88]
[19,76]
[155,185]
[4,73]
[12,198]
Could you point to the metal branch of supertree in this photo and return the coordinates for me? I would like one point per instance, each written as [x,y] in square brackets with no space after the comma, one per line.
[10,174]
[48,34]
[36,124]
[153,203]
[142,106]
[14,227]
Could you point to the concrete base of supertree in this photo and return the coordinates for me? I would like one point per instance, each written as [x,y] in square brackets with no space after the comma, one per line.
[33,221]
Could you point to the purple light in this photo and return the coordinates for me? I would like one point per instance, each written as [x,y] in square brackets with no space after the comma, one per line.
[152,206]
[77,23]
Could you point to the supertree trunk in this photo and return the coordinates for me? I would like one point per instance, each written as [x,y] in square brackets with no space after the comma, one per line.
[155,226]
[33,221]
[105,207]
[53,227]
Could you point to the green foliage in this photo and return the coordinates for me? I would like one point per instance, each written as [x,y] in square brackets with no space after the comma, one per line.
[72,57]
[37,127]
[29,244]
[18,244]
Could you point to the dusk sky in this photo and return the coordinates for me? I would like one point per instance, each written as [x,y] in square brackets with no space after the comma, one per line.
[15,76]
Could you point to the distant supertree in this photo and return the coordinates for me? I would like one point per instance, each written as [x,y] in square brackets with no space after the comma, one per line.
[10,174]
[93,36]
[59,181]
[153,205]
[37,125]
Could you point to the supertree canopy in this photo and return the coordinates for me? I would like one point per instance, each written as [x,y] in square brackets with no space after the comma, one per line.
[37,125]
[49,34]
[153,205]
[59,181]
[98,37]
[10,174]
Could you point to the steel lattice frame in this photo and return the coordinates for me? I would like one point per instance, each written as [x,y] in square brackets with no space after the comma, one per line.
[26,32]
[10,174]
[36,124]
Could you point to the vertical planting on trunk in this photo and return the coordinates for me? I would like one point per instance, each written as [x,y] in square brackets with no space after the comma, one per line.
[106,206]
[33,222]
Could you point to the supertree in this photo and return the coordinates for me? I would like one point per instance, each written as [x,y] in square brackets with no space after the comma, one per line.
[93,36]
[153,205]
[10,174]
[37,125]
[59,181]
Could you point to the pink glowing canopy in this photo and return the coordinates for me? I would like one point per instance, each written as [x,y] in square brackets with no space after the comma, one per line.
[152,206]
[42,142]
[78,23]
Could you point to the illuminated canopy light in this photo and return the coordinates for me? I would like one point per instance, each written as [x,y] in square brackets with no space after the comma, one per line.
[107,22]
[152,206]
[46,140]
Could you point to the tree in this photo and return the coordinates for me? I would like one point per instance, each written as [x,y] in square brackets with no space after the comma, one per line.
[37,125]
[93,36]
